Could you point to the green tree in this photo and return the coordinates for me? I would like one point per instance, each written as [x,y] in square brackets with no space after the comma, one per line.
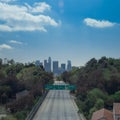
[9,117]
[21,115]
[0,62]
[99,104]
[91,63]
[116,96]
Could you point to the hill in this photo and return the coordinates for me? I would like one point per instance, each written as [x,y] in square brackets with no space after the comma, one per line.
[98,84]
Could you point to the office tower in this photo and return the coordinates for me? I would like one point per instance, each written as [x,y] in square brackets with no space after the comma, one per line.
[37,63]
[63,67]
[69,66]
[41,64]
[47,65]
[55,67]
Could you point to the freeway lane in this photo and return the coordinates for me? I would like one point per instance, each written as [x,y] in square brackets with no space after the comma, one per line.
[58,105]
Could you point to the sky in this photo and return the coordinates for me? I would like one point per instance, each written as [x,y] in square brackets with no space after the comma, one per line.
[75,30]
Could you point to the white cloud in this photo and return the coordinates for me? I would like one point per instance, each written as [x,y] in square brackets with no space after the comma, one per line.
[98,23]
[15,42]
[5,28]
[38,7]
[21,18]
[5,46]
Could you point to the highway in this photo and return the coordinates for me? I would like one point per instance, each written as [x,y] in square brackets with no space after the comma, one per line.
[58,105]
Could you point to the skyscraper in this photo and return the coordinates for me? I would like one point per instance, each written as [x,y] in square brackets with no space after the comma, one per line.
[47,65]
[37,63]
[55,67]
[69,66]
[63,67]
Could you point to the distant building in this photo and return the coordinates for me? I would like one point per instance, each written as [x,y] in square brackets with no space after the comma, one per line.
[37,63]
[102,114]
[55,67]
[105,114]
[63,67]
[41,64]
[69,66]
[116,111]
[21,94]
[47,65]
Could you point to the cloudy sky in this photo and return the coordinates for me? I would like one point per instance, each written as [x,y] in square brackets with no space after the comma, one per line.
[75,30]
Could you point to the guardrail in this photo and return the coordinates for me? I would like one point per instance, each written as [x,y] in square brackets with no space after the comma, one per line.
[81,116]
[36,107]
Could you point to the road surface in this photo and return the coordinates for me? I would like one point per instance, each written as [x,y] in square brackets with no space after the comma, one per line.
[58,105]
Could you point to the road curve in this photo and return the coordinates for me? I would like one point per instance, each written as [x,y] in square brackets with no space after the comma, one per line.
[58,105]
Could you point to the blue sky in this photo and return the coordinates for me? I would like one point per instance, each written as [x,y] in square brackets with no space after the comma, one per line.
[63,29]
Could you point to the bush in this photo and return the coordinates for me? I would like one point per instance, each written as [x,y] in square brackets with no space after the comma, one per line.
[21,115]
[9,117]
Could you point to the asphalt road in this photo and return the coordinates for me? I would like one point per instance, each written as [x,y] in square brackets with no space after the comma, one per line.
[58,105]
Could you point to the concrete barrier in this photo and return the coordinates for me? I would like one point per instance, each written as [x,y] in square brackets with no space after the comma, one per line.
[36,107]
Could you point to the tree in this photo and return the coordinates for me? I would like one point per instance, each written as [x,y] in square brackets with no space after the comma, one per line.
[99,104]
[103,62]
[0,62]
[4,98]
[21,115]
[11,62]
[97,93]
[9,117]
[5,89]
[117,96]
[91,63]
[65,76]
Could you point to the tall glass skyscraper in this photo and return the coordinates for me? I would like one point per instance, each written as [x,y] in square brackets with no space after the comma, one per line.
[63,67]
[55,67]
[47,65]
[69,66]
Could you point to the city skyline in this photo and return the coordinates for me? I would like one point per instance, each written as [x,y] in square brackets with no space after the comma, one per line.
[65,30]
[54,65]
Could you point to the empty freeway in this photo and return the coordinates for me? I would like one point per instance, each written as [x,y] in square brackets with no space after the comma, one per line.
[58,105]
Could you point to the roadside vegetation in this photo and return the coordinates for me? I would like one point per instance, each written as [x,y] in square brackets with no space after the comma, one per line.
[18,77]
[98,84]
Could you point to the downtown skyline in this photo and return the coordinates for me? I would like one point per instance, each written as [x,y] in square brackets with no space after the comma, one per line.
[54,65]
[76,30]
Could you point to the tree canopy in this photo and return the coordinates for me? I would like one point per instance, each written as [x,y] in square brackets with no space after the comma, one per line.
[98,84]
[17,77]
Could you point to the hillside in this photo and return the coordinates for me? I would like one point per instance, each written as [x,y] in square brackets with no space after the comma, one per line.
[21,85]
[98,84]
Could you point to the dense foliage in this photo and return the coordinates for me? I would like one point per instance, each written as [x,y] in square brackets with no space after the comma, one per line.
[98,84]
[17,77]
